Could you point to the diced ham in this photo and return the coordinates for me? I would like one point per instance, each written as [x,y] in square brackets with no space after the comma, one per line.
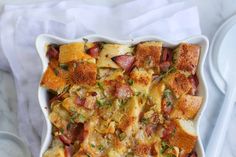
[68,151]
[194,82]
[166,109]
[87,102]
[142,150]
[124,61]
[52,52]
[164,66]
[123,91]
[94,51]
[150,129]
[79,101]
[64,139]
[90,102]
[168,131]
[166,54]
[192,154]
[74,132]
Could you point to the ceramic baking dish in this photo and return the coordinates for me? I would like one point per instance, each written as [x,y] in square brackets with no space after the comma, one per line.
[44,39]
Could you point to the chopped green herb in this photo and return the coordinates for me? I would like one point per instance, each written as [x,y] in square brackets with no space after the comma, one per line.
[64,66]
[87,155]
[56,72]
[122,136]
[137,93]
[130,154]
[170,155]
[68,126]
[73,117]
[167,93]
[100,85]
[100,148]
[85,40]
[81,118]
[164,147]
[100,103]
[61,130]
[92,145]
[103,103]
[130,82]
[172,69]
[144,121]
[173,132]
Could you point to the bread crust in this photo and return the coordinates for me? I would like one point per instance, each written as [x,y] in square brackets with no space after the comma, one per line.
[187,56]
[182,138]
[148,54]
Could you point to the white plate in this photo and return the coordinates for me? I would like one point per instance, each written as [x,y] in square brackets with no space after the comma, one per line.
[216,60]
[12,146]
[43,40]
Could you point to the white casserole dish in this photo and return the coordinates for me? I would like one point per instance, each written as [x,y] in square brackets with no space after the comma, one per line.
[41,45]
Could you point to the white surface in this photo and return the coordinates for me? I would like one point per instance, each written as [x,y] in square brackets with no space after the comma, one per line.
[12,146]
[212,14]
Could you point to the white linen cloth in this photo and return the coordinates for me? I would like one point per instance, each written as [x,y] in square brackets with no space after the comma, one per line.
[20,25]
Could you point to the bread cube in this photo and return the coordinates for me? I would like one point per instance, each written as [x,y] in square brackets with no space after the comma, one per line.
[51,81]
[59,117]
[84,74]
[142,80]
[184,135]
[186,57]
[74,52]
[156,93]
[178,83]
[187,107]
[109,51]
[148,54]
[55,152]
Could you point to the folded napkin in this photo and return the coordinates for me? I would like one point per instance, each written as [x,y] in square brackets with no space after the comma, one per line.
[20,25]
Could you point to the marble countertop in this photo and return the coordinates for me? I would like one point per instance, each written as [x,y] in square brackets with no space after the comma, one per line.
[212,14]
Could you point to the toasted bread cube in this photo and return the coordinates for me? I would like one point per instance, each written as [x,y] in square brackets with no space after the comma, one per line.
[113,153]
[156,94]
[178,83]
[84,74]
[74,52]
[59,117]
[148,54]
[184,136]
[186,57]
[186,107]
[129,122]
[55,152]
[142,80]
[109,51]
[53,82]
[142,150]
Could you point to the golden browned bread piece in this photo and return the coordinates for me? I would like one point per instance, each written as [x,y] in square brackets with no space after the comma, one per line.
[73,52]
[142,150]
[187,107]
[186,57]
[184,135]
[84,74]
[55,152]
[178,83]
[53,82]
[148,54]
